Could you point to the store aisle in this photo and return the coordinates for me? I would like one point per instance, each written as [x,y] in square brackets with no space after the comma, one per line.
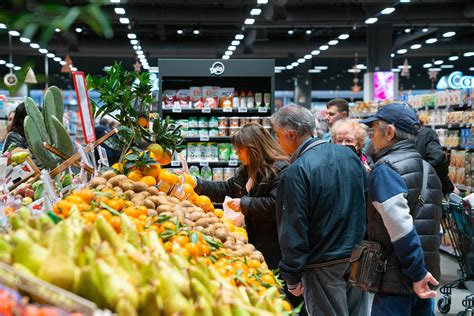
[449,268]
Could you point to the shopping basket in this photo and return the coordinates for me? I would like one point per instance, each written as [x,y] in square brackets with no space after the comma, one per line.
[458,224]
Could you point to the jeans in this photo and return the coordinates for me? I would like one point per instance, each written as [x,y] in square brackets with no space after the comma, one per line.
[401,305]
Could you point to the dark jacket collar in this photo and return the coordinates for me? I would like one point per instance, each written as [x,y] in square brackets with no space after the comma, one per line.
[403,145]
[302,147]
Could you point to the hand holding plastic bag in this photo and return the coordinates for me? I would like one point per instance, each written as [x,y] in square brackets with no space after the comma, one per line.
[237,218]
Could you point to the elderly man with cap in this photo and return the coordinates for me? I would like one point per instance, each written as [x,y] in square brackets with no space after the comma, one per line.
[398,219]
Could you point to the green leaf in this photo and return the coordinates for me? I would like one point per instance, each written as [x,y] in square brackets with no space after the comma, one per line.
[167,233]
[102,24]
[162,218]
[108,208]
[30,30]
[69,18]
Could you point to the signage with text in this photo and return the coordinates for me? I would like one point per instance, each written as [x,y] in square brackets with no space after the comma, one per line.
[456,80]
[85,110]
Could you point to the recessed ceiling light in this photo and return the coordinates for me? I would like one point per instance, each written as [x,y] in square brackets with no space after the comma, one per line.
[2,62]
[249,21]
[343,36]
[57,59]
[14,33]
[196,32]
[405,1]
[78,30]
[321,67]
[225,57]
[428,65]
[333,42]
[291,32]
[315,52]
[309,56]
[453,58]
[180,32]
[17,68]
[62,62]
[255,12]
[371,20]
[229,53]
[392,55]
[262,1]
[289,67]
[314,71]
[308,32]
[447,66]
[403,66]
[471,68]
[124,20]
[352,70]
[425,30]
[2,26]
[235,43]
[387,11]
[74,69]
[231,47]
[434,69]
[280,67]
[396,70]
[9,65]
[114,1]
[401,51]
[24,40]
[449,34]
[34,45]
[361,66]
[135,47]
[415,46]
[57,30]
[407,30]
[119,11]
[239,37]
[277,71]
[301,60]
[43,51]
[50,55]
[131,36]
[438,62]
[141,56]
[431,41]
[134,42]
[468,54]
[139,52]
[323,47]
[294,64]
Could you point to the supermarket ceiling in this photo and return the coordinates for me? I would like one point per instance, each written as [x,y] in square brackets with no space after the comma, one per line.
[423,32]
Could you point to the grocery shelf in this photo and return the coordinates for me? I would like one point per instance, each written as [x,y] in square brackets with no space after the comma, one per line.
[458,148]
[452,125]
[208,139]
[179,112]
[230,163]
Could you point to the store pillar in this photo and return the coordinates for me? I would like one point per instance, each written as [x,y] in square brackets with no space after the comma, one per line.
[303,85]
[380,46]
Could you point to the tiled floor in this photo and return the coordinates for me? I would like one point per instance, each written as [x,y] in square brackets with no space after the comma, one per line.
[449,268]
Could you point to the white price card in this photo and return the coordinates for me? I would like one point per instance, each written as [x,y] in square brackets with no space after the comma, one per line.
[175,163]
[262,110]
[204,138]
[206,109]
[104,160]
[204,163]
[177,109]
[84,157]
[85,111]
[233,163]
[242,110]
[227,110]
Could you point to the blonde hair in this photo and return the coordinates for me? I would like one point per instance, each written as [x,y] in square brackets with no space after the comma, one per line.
[359,130]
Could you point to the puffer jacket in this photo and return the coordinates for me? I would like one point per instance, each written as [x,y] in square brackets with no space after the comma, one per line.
[403,158]
[258,206]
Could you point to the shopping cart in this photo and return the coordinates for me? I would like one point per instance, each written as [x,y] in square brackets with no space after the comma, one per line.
[458,223]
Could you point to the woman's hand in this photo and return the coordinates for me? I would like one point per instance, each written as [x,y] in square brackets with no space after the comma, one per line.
[234,205]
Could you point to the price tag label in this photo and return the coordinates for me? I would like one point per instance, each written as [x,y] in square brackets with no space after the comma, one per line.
[175,163]
[242,110]
[206,109]
[176,109]
[204,138]
[233,163]
[228,110]
[262,110]
[204,163]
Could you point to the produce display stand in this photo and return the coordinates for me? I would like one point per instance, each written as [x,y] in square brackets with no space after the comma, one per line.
[77,156]
[44,292]
[66,157]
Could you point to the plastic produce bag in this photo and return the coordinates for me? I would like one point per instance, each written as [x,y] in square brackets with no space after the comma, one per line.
[237,218]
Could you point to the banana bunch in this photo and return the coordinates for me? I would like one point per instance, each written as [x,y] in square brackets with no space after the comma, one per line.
[130,273]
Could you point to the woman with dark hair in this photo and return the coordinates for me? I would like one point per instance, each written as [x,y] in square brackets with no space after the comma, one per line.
[16,133]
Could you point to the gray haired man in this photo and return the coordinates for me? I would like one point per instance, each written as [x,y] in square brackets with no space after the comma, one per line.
[320,212]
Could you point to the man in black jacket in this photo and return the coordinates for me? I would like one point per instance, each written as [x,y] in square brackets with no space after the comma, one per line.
[320,213]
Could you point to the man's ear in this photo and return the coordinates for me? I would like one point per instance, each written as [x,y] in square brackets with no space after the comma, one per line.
[345,114]
[391,132]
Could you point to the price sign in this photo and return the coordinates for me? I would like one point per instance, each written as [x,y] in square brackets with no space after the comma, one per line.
[228,110]
[204,138]
[176,109]
[85,110]
[233,163]
[175,163]
[242,110]
[262,110]
[204,163]
[206,109]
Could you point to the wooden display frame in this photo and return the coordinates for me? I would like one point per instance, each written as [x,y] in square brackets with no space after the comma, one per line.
[36,173]
[63,156]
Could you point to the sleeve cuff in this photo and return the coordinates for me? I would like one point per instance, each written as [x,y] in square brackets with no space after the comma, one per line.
[419,276]
[245,204]
[290,278]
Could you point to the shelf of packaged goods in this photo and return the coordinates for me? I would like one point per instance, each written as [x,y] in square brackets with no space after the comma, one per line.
[218,139]
[359,116]
[452,125]
[449,107]
[183,112]
[447,249]
[230,163]
[458,148]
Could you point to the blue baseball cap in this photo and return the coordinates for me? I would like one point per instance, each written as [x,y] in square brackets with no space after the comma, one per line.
[401,115]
